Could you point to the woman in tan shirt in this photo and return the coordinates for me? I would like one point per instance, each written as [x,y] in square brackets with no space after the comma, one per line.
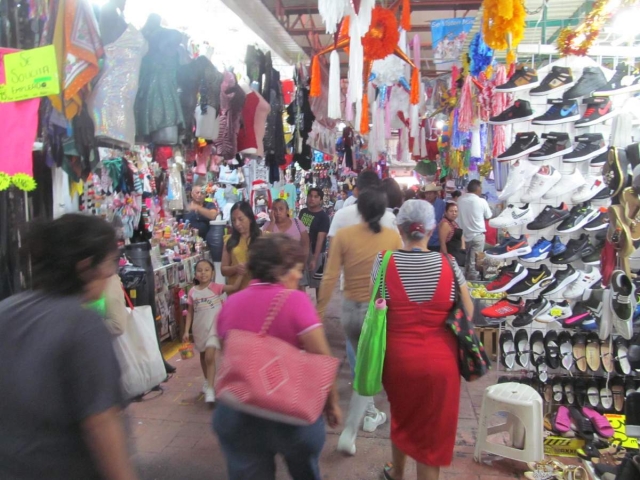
[353,250]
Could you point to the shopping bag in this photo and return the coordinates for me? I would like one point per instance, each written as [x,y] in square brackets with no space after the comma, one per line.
[373,339]
[137,351]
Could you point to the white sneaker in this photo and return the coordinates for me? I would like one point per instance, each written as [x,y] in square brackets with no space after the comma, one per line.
[634,261]
[209,395]
[205,386]
[520,175]
[623,303]
[512,217]
[568,184]
[543,181]
[559,311]
[594,185]
[372,422]
[587,279]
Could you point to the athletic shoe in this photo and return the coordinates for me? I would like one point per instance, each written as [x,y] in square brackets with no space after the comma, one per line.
[520,174]
[540,251]
[557,247]
[509,248]
[592,79]
[558,311]
[589,145]
[561,111]
[534,280]
[600,222]
[587,279]
[556,144]
[600,160]
[625,80]
[598,110]
[559,78]
[532,309]
[507,278]
[593,257]
[518,112]
[595,185]
[525,143]
[578,217]
[549,217]
[581,318]
[524,78]
[372,422]
[564,278]
[504,308]
[572,252]
[209,395]
[615,170]
[623,303]
[541,183]
[205,386]
[589,249]
[568,184]
[598,301]
[512,217]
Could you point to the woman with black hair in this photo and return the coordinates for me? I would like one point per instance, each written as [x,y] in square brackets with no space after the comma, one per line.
[395,198]
[244,231]
[353,250]
[63,412]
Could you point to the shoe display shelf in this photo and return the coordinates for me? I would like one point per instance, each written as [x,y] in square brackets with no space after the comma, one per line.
[562,336]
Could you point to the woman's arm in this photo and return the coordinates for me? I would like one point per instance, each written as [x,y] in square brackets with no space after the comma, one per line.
[315,341]
[331,274]
[235,287]
[463,245]
[187,325]
[107,441]
[225,265]
[443,232]
[211,214]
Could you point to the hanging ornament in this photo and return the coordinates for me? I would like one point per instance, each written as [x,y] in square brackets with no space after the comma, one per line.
[503,24]
[480,55]
[24,182]
[5,181]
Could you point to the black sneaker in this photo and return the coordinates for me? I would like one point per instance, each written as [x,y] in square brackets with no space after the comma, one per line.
[556,144]
[532,308]
[509,248]
[578,217]
[573,251]
[561,111]
[625,80]
[589,145]
[615,170]
[600,160]
[598,110]
[523,79]
[592,79]
[563,279]
[518,112]
[600,222]
[533,281]
[591,249]
[548,217]
[557,79]
[524,144]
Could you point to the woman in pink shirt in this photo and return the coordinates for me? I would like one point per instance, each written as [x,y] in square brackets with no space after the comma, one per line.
[250,443]
[281,222]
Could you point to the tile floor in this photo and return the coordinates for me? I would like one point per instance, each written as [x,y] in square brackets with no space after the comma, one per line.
[172,437]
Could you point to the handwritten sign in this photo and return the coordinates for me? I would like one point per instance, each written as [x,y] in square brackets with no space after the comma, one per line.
[30,74]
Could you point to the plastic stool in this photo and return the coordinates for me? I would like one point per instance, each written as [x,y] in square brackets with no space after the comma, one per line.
[523,406]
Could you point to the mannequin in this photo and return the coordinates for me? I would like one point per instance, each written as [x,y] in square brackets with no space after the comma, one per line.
[254,122]
[111,102]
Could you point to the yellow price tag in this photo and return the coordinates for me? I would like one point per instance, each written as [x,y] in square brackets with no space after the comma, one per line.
[620,437]
[30,74]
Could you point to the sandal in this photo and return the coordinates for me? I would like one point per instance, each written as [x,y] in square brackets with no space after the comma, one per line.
[552,350]
[561,420]
[574,472]
[507,350]
[600,424]
[522,348]
[581,424]
[567,384]
[580,352]
[606,355]
[618,394]
[544,470]
[386,471]
[593,352]
[566,349]
[606,396]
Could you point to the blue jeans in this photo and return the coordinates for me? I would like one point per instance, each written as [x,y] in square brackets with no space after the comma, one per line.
[351,356]
[250,445]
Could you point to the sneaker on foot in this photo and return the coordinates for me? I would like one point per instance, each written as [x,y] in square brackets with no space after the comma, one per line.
[205,386]
[371,422]
[209,395]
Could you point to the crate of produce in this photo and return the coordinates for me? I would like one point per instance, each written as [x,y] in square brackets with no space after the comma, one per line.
[482,299]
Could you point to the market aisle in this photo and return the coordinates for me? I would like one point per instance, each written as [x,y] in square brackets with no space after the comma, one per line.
[173,437]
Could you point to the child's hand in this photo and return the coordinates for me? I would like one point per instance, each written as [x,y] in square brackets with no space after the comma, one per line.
[185,337]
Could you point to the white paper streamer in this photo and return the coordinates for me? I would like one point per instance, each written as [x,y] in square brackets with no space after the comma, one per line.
[333,107]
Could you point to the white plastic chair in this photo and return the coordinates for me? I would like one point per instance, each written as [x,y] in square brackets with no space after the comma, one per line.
[524,422]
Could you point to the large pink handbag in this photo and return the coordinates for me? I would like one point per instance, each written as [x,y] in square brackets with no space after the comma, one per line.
[267,377]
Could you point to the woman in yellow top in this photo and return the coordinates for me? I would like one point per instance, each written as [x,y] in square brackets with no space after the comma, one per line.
[244,230]
[354,250]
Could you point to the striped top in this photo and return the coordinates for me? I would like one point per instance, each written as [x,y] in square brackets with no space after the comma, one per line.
[419,273]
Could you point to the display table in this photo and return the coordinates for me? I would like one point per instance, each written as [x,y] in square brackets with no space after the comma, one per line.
[169,281]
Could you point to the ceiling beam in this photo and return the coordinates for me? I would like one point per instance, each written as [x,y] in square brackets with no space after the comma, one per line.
[419,6]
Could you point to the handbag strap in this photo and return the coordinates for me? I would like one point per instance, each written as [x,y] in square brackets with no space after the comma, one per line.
[275,307]
[126,295]
[456,285]
[381,275]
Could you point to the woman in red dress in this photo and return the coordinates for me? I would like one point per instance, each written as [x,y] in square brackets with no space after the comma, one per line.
[421,375]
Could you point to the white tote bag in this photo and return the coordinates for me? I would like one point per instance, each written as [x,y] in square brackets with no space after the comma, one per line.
[137,351]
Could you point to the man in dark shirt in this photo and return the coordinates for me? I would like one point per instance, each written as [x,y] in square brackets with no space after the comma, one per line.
[317,222]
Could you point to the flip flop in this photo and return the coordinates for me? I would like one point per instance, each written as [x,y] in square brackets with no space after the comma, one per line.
[558,390]
[538,354]
[606,355]
[581,424]
[507,350]
[566,349]
[580,351]
[561,420]
[593,393]
[593,351]
[600,424]
[606,396]
[522,348]
[385,471]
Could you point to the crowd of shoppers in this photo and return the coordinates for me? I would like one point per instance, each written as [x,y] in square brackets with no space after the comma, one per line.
[75,410]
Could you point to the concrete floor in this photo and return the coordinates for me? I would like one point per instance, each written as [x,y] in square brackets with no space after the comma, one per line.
[173,440]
